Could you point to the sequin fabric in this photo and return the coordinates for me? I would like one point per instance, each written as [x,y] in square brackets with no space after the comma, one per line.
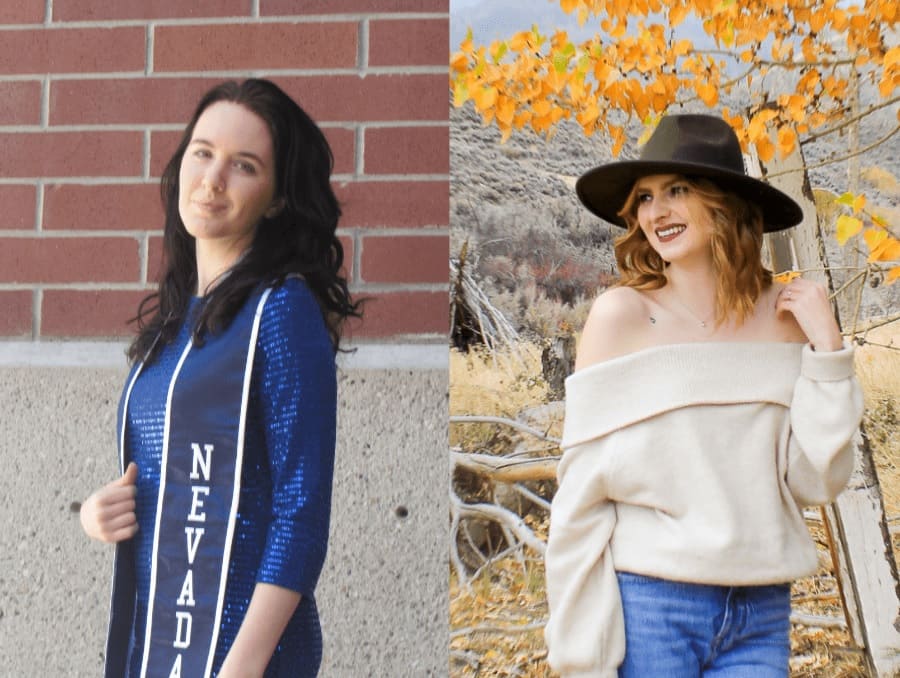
[283,512]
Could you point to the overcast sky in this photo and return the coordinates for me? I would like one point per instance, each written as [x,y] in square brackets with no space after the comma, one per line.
[495,19]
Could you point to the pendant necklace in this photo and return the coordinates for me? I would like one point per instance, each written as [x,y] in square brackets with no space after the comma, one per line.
[692,314]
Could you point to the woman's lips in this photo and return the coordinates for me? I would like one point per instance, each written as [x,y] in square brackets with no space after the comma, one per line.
[669,233]
[208,207]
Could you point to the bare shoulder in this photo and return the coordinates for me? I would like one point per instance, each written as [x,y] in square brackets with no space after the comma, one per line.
[785,327]
[614,326]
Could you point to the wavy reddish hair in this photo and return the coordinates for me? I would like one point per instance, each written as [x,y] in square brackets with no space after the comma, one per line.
[737,236]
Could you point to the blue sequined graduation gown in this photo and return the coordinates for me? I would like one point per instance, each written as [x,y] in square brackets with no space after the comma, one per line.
[281,525]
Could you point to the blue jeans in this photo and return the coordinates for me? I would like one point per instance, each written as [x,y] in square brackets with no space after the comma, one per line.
[680,630]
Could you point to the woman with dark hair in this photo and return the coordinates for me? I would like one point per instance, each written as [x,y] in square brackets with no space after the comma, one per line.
[709,405]
[227,420]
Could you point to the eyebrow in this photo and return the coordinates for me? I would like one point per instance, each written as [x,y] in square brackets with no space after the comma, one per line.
[639,187]
[243,154]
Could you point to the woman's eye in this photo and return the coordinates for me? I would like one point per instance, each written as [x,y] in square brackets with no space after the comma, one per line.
[247,167]
[644,197]
[202,153]
[679,189]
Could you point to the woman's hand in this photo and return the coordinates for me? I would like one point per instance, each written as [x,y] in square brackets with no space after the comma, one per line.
[108,514]
[808,302]
[269,612]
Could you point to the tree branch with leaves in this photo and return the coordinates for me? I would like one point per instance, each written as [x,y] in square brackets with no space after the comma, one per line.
[637,67]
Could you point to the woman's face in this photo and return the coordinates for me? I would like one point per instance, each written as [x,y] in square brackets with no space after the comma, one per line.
[675,221]
[227,176]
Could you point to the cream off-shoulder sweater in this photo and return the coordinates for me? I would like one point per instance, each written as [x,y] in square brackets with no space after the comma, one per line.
[690,462]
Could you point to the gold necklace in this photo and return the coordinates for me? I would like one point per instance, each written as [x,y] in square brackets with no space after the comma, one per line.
[690,312]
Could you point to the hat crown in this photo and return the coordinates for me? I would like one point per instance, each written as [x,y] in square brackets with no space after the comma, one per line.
[693,145]
[701,140]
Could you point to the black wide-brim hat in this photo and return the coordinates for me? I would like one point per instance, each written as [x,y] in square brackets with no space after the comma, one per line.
[695,146]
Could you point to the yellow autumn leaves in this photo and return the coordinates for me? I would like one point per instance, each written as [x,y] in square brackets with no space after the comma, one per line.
[882,244]
[634,67]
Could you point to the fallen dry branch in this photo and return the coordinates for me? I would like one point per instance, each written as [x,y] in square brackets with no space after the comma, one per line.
[833,594]
[473,318]
[531,496]
[504,517]
[496,469]
[508,552]
[818,621]
[455,558]
[505,470]
[521,628]
[518,425]
[873,324]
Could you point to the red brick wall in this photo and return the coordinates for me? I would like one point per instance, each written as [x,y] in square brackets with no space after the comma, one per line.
[92,101]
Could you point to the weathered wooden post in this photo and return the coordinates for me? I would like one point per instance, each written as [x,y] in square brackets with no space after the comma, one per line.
[861,544]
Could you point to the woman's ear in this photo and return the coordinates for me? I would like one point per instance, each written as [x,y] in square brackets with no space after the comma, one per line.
[275,208]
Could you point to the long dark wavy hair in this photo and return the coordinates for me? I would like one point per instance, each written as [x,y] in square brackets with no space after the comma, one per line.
[300,239]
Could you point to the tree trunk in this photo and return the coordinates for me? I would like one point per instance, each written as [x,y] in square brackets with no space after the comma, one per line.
[861,545]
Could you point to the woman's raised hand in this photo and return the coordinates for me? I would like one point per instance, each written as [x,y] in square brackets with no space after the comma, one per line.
[108,514]
[808,302]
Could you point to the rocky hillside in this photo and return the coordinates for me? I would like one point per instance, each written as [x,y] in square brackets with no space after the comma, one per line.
[516,206]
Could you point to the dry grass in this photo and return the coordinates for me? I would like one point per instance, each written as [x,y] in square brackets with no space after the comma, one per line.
[878,369]
[508,597]
[498,384]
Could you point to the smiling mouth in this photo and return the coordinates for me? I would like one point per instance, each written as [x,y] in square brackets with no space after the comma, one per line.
[670,232]
[209,207]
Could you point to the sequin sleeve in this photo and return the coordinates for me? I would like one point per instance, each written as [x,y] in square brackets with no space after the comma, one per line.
[298,396]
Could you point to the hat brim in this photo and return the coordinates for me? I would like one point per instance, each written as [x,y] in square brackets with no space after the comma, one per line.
[603,190]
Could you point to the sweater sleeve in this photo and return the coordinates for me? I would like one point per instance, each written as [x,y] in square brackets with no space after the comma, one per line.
[298,394]
[826,410]
[585,633]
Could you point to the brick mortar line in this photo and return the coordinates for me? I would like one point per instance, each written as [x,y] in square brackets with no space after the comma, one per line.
[45,102]
[148,55]
[96,127]
[400,69]
[61,233]
[409,69]
[383,178]
[357,258]
[345,231]
[437,233]
[392,230]
[81,180]
[144,257]
[386,288]
[249,20]
[372,287]
[145,151]
[359,139]
[39,197]
[396,124]
[179,127]
[77,287]
[37,304]
[363,47]
[340,179]
[93,127]
[24,77]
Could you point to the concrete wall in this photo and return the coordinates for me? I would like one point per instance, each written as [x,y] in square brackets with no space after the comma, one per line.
[383,593]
